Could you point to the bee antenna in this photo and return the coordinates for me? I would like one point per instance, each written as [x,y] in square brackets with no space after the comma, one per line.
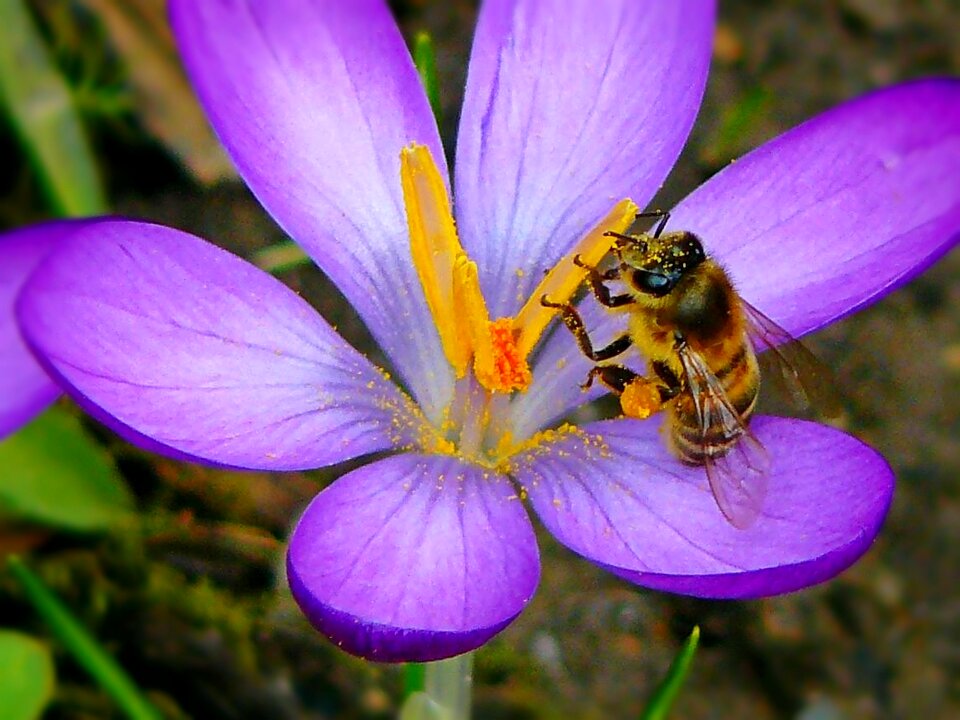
[624,239]
[663,215]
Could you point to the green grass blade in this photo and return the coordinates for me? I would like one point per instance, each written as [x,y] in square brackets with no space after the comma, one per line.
[669,687]
[88,653]
[41,109]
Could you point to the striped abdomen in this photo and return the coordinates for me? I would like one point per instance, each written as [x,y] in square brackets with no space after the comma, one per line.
[737,374]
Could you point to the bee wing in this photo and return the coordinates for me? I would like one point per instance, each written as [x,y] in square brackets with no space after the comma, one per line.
[738,478]
[792,367]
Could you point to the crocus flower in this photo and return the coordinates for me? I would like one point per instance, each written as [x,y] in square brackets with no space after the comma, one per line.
[427,550]
[25,389]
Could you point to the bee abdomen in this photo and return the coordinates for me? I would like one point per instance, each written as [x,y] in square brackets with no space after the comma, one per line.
[740,380]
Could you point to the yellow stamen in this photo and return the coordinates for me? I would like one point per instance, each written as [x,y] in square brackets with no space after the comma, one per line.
[563,280]
[474,318]
[451,284]
[434,246]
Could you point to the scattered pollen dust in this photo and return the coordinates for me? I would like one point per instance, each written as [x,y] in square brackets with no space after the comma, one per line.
[545,442]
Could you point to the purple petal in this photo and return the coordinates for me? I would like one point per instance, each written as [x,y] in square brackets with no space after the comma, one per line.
[626,504]
[314,101]
[25,389]
[185,348]
[840,210]
[414,558]
[567,111]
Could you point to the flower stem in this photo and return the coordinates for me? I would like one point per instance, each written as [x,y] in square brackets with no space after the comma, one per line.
[447,685]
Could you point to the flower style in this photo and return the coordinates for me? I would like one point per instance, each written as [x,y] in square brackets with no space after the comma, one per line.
[25,389]
[427,551]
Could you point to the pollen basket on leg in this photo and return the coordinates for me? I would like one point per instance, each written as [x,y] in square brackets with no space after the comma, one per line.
[640,399]
[566,276]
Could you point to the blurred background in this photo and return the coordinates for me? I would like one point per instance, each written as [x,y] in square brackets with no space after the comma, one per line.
[186,588]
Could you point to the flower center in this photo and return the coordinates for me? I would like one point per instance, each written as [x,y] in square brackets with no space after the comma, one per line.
[490,358]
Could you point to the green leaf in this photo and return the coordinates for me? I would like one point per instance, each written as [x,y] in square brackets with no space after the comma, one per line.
[83,646]
[42,111]
[278,259]
[26,681]
[53,473]
[669,687]
[739,124]
[426,61]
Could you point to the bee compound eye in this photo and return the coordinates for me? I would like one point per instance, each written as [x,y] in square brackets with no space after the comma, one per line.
[652,283]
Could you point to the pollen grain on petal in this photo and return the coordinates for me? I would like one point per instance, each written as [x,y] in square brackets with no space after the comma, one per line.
[410,431]
[560,441]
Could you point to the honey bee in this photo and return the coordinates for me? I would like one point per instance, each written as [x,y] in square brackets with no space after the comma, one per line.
[701,341]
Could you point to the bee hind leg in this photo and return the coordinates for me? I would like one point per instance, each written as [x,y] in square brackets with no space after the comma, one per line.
[614,377]
[640,397]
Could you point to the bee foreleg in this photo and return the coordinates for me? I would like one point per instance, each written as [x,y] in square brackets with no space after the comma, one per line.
[600,291]
[571,318]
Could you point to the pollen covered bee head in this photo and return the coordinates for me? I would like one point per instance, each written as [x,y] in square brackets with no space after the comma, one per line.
[654,265]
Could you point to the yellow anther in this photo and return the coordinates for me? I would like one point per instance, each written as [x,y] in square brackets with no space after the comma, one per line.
[434,246]
[472,315]
[563,280]
[451,284]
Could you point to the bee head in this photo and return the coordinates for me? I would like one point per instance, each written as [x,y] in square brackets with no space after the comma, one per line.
[654,265]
